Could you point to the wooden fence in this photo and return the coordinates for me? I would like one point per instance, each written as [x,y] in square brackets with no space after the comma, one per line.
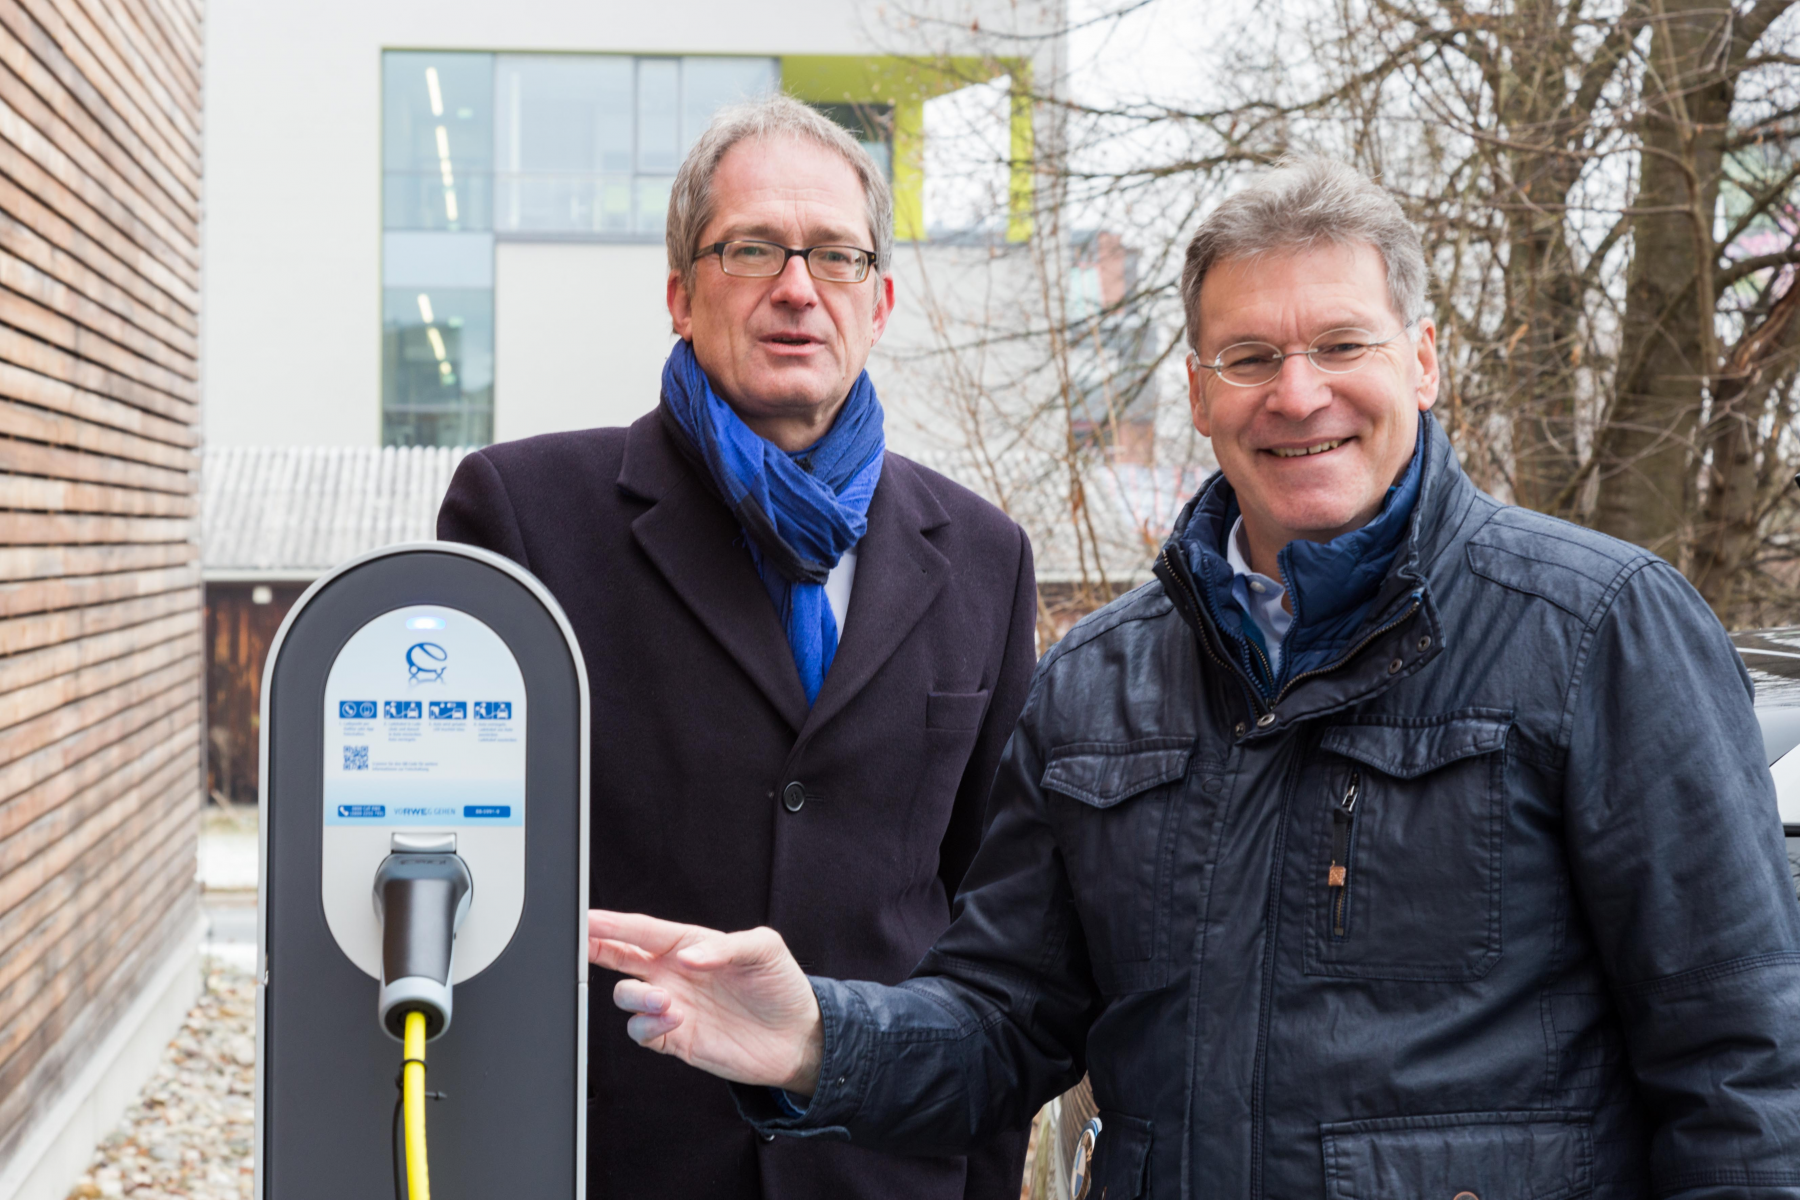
[100,625]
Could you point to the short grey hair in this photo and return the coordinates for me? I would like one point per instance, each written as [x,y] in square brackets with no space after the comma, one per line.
[1307,201]
[775,116]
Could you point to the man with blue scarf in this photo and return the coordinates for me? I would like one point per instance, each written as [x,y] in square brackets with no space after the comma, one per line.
[1394,842]
[805,653]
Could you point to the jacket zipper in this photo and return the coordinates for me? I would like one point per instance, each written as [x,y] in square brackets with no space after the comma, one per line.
[1337,876]
[1349,654]
[1256,702]
[1268,669]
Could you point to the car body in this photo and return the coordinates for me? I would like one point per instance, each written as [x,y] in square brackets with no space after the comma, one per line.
[1773,658]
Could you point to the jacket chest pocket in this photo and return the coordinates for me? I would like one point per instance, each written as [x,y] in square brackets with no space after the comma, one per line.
[1404,874]
[1525,1155]
[1114,807]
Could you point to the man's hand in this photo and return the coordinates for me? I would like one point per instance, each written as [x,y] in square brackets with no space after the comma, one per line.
[734,1004]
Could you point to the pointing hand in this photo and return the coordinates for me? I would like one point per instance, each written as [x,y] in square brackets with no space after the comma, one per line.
[734,1004]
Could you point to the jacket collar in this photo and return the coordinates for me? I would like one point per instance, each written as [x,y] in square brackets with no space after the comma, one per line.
[1399,624]
[692,540]
[1331,580]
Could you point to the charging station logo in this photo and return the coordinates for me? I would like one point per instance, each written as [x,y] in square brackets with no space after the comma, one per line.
[425,662]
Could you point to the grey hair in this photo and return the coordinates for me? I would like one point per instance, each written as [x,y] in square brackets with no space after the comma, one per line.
[1306,201]
[774,116]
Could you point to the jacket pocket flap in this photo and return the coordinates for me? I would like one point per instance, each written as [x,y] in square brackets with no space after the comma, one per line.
[1543,1155]
[955,710]
[1104,773]
[1121,1153]
[1407,751]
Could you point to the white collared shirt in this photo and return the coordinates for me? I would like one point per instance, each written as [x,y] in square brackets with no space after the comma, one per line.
[1257,595]
[837,588]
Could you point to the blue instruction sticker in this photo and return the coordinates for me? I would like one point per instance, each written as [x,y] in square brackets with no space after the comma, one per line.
[447,749]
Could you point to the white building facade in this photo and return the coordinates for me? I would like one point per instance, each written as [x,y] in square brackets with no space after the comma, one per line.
[441,224]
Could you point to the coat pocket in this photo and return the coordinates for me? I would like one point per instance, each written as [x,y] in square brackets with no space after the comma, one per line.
[955,710]
[1121,1158]
[952,726]
[1531,1155]
[1409,826]
[1112,805]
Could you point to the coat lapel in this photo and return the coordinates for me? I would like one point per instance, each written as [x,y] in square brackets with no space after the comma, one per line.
[690,537]
[898,574]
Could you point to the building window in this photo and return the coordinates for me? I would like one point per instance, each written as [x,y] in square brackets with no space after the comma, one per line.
[437,263]
[437,356]
[589,144]
[437,141]
[477,146]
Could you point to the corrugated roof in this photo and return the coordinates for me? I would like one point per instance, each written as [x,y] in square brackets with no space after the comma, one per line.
[301,510]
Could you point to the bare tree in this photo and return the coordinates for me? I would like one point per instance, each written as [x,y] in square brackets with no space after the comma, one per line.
[1608,193]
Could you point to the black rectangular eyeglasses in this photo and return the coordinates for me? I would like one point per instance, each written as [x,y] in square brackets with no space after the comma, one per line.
[761,260]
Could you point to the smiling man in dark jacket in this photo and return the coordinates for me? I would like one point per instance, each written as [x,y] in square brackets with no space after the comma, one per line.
[805,653]
[1393,844]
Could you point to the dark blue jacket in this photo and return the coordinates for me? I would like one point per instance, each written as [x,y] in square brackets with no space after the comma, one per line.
[1562,958]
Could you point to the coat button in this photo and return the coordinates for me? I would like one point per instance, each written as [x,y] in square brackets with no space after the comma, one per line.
[1394,667]
[1239,728]
[793,797]
[1266,720]
[1212,785]
[766,1137]
[1425,644]
[1465,1196]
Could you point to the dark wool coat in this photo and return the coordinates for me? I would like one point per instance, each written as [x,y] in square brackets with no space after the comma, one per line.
[719,799]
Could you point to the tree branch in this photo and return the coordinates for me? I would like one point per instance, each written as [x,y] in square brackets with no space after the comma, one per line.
[1743,267]
[1756,22]
[1759,203]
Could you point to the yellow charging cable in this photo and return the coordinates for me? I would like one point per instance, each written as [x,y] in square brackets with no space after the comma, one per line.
[412,1095]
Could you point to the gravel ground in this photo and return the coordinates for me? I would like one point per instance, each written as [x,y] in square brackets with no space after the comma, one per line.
[189,1134]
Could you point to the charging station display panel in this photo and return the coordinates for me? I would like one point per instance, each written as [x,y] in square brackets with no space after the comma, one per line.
[425,716]
[425,725]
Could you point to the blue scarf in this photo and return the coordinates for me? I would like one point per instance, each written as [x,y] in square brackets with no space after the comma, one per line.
[799,511]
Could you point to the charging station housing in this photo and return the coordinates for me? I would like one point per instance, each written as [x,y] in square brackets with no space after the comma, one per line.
[427,694]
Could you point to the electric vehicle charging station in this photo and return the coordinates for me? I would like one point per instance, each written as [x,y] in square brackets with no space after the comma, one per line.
[424,881]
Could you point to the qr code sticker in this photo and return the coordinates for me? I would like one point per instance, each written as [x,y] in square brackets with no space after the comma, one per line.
[356,758]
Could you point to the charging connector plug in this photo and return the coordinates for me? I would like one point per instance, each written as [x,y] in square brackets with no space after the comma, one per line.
[421,898]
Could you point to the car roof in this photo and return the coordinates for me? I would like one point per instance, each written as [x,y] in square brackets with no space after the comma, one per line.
[1772,656]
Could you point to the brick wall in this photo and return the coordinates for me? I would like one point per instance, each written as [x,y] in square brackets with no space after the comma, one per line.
[100,620]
